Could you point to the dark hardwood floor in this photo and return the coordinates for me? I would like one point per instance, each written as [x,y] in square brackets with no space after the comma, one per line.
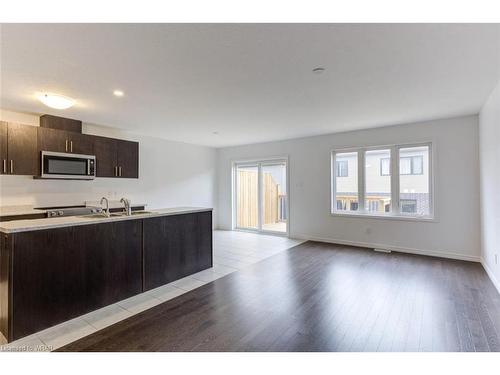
[322,297]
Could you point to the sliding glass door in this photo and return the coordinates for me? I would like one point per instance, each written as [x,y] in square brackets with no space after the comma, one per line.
[261,196]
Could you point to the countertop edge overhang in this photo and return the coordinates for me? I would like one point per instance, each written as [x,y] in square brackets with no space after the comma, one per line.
[17,226]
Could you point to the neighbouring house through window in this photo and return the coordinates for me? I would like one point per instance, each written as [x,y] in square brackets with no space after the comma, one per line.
[409,206]
[409,165]
[342,168]
[378,191]
[385,166]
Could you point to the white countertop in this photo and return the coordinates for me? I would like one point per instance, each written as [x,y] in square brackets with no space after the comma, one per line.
[16,226]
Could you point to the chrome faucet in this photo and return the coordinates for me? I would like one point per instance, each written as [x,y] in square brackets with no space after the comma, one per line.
[126,203]
[105,210]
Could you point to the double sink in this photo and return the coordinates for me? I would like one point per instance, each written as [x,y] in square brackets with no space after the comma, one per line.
[102,215]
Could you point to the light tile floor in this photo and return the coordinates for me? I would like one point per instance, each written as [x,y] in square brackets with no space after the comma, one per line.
[275,227]
[232,251]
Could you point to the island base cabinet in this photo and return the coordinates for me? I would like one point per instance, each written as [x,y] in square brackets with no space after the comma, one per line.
[62,273]
[175,247]
[49,276]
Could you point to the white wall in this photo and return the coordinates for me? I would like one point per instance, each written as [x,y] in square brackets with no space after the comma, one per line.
[489,135]
[456,233]
[170,174]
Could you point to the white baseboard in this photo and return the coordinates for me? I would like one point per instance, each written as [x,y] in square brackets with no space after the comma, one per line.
[491,275]
[433,253]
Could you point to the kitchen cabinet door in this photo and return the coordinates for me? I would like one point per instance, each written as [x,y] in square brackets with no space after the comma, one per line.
[162,251]
[176,246]
[81,144]
[22,149]
[105,151]
[53,140]
[3,147]
[128,159]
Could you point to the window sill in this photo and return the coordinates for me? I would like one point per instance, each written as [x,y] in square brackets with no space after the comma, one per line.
[424,219]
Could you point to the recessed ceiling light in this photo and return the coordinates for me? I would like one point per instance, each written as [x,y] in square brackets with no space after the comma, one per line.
[118,93]
[318,70]
[56,101]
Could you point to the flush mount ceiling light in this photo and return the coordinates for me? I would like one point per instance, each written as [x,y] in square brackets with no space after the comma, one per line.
[56,101]
[318,70]
[118,93]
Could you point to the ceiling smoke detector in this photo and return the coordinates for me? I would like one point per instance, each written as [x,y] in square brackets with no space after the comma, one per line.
[318,70]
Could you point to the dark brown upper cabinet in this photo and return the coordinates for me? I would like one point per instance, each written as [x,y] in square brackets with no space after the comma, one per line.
[61,123]
[18,149]
[81,144]
[52,140]
[116,158]
[3,145]
[64,141]
[105,151]
[21,145]
[128,159]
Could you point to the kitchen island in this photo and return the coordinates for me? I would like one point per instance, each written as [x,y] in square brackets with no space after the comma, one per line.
[55,269]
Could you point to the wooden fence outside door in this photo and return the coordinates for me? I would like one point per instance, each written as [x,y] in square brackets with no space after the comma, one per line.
[248,198]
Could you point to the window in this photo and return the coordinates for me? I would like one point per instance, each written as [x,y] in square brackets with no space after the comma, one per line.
[372,205]
[415,186]
[409,206]
[346,196]
[376,189]
[385,166]
[342,168]
[411,165]
[340,205]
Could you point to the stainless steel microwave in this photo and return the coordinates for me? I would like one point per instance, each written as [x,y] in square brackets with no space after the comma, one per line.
[67,166]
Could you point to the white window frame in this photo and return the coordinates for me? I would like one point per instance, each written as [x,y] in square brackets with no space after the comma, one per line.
[395,213]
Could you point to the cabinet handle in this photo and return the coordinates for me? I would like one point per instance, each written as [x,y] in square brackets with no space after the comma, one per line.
[116,171]
[11,166]
[66,148]
[120,171]
[4,165]
[71,146]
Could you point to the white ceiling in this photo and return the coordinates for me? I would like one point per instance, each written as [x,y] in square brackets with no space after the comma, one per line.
[250,82]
